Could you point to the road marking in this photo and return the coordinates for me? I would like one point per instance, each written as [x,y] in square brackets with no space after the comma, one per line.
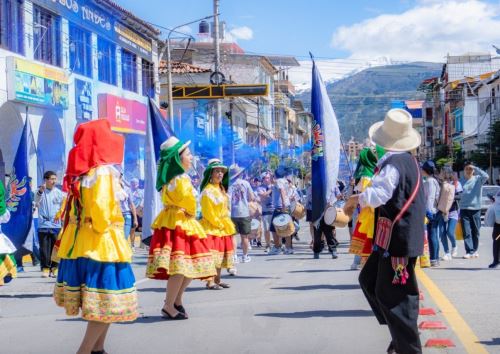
[469,340]
[143,280]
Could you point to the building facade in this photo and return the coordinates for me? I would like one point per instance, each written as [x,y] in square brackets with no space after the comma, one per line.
[68,62]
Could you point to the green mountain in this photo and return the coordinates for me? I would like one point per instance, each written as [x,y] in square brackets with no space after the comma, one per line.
[363,98]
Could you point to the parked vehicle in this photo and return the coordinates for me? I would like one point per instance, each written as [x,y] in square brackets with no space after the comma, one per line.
[487,198]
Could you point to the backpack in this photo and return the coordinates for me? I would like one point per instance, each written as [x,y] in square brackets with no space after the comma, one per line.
[446,197]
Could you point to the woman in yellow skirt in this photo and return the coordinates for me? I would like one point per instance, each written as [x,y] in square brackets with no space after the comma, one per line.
[179,249]
[216,219]
[95,274]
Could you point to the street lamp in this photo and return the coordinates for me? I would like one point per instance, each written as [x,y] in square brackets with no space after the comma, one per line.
[169,66]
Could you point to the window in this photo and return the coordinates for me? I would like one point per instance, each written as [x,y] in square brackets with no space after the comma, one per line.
[106,61]
[148,77]
[80,51]
[11,25]
[129,71]
[47,36]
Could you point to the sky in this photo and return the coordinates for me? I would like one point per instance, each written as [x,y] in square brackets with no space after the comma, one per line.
[343,35]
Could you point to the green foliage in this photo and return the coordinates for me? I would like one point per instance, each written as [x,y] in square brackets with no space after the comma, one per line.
[481,156]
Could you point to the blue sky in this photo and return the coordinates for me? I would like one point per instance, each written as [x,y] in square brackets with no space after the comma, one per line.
[343,35]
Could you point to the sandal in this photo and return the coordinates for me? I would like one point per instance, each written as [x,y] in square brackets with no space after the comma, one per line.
[181,309]
[214,287]
[224,285]
[180,316]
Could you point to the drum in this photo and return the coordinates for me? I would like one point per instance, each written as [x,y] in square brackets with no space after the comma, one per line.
[336,217]
[283,224]
[298,210]
[255,227]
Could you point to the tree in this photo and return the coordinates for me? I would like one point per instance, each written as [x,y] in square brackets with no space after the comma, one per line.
[481,156]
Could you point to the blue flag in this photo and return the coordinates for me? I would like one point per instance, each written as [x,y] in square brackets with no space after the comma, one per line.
[157,131]
[19,200]
[325,151]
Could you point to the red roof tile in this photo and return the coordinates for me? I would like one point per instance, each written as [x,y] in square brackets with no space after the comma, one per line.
[181,68]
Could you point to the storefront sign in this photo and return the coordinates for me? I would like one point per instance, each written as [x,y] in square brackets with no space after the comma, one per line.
[87,15]
[37,84]
[126,116]
[83,100]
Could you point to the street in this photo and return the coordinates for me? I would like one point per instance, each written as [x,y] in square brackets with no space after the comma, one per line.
[276,304]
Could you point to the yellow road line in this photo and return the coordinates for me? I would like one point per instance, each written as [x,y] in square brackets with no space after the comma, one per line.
[452,316]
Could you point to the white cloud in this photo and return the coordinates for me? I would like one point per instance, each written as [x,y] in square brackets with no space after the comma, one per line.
[243,33]
[429,31]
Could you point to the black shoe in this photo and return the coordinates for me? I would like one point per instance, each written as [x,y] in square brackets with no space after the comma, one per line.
[494,265]
[167,316]
[316,255]
[391,349]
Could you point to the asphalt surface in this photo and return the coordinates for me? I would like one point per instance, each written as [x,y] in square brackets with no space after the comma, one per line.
[276,304]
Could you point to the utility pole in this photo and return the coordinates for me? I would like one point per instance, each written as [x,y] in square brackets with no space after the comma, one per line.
[217,118]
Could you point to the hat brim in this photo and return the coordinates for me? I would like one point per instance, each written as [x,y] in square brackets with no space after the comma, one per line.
[183,147]
[408,143]
[237,174]
[222,167]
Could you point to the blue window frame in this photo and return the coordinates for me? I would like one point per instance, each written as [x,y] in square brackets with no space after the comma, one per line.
[47,36]
[129,71]
[106,61]
[148,79]
[12,25]
[80,51]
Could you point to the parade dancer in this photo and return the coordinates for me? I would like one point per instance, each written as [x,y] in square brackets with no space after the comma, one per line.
[492,219]
[388,278]
[216,219]
[95,274]
[179,247]
[8,268]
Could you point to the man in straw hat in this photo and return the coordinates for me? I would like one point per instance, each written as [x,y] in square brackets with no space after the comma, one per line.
[388,279]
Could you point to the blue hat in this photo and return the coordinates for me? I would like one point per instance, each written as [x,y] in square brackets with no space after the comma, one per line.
[429,166]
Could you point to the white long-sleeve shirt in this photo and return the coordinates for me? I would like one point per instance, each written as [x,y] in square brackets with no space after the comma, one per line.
[383,184]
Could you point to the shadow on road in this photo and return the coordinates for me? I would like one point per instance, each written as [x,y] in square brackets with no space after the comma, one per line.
[247,277]
[321,287]
[319,313]
[493,341]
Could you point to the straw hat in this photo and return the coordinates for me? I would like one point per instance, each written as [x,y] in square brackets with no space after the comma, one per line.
[217,164]
[395,133]
[167,144]
[235,171]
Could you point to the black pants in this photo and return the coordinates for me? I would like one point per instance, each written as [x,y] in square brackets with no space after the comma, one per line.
[395,305]
[47,239]
[496,243]
[327,230]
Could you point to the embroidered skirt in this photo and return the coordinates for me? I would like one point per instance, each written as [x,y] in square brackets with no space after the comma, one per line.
[104,291]
[172,252]
[222,251]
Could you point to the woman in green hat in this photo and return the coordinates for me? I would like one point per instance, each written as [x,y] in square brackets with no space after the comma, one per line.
[216,219]
[179,248]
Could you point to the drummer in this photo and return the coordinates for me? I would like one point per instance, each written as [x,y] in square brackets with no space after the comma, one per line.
[281,202]
[294,196]
[327,231]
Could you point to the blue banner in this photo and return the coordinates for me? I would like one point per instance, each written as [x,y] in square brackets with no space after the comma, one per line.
[325,152]
[19,201]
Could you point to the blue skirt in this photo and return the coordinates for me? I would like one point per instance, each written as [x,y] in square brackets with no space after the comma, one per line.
[105,291]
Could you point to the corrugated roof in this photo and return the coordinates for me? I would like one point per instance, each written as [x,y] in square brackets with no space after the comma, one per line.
[281,60]
[181,68]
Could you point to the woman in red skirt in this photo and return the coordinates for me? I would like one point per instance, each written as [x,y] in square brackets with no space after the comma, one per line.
[179,250]
[216,219]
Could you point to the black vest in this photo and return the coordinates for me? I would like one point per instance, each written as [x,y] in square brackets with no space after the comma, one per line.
[407,236]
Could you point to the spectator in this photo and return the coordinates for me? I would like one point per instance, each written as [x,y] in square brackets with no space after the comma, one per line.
[470,207]
[432,190]
[241,194]
[266,201]
[48,201]
[137,196]
[448,213]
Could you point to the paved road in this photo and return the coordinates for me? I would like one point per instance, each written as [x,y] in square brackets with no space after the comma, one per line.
[277,304]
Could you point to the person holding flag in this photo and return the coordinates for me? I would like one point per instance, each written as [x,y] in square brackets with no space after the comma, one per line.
[7,248]
[95,274]
[179,249]
[216,219]
[396,192]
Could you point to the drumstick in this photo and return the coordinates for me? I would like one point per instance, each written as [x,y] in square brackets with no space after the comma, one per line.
[496,238]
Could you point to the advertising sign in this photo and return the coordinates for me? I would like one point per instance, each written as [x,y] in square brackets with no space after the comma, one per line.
[83,100]
[37,84]
[125,116]
[86,14]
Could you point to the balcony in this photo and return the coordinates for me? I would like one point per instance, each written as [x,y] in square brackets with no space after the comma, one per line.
[285,87]
[281,99]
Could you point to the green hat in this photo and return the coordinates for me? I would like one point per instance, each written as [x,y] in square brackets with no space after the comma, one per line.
[214,163]
[3,206]
[366,164]
[169,164]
